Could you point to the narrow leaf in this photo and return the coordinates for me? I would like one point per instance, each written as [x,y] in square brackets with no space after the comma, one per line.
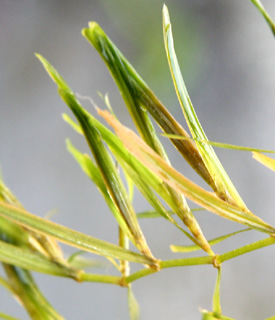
[103,160]
[73,124]
[136,93]
[176,248]
[132,89]
[265,14]
[223,185]
[156,214]
[133,305]
[265,160]
[69,236]
[219,144]
[23,237]
[26,259]
[7,317]
[29,295]
[176,180]
[94,174]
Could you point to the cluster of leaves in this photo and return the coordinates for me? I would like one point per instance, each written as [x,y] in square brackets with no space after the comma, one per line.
[29,243]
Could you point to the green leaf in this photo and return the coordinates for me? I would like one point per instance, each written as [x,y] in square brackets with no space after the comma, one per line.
[219,144]
[143,177]
[122,72]
[152,214]
[7,317]
[94,174]
[73,124]
[20,282]
[176,248]
[29,295]
[104,162]
[26,259]
[26,291]
[132,88]
[223,185]
[15,234]
[143,184]
[71,237]
[156,214]
[138,96]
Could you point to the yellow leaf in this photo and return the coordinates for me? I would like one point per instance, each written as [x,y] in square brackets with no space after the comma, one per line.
[265,160]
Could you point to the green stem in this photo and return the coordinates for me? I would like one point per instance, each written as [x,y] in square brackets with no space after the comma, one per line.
[245,249]
[216,297]
[170,264]
[139,274]
[218,259]
[89,277]
[186,262]
[267,17]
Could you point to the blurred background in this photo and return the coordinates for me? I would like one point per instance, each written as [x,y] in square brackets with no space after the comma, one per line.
[226,53]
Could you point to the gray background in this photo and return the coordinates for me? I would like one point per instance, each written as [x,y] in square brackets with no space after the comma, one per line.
[226,53]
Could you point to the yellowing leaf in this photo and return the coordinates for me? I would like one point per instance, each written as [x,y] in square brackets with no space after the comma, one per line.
[176,180]
[265,160]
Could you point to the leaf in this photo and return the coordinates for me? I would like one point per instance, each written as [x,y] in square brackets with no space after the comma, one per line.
[7,317]
[137,95]
[265,160]
[176,248]
[26,259]
[23,237]
[94,174]
[223,185]
[142,177]
[71,237]
[156,214]
[143,185]
[132,88]
[29,295]
[265,14]
[104,162]
[176,180]
[73,124]
[133,304]
[219,144]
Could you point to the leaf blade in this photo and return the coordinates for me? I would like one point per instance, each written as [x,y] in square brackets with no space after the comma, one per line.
[176,180]
[69,236]
[223,185]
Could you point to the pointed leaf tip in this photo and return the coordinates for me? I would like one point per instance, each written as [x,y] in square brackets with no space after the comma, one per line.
[165,15]
[53,73]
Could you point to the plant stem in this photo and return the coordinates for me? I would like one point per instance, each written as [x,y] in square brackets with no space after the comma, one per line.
[216,260]
[245,249]
[89,277]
